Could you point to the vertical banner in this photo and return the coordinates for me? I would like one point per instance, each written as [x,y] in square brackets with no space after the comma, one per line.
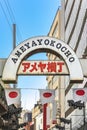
[54,112]
[48,116]
[13,96]
[80,94]
[47,95]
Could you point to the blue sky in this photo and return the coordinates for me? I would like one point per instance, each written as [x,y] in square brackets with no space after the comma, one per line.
[32,18]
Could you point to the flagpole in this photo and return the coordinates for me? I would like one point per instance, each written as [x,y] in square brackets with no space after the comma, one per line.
[44,116]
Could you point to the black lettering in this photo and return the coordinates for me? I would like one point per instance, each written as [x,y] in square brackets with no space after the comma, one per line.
[58,46]
[63,49]
[27,45]
[71,59]
[40,40]
[34,43]
[22,49]
[18,53]
[52,43]
[68,53]
[14,60]
[46,42]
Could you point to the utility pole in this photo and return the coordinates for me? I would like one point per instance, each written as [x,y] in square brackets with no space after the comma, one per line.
[14,36]
[14,43]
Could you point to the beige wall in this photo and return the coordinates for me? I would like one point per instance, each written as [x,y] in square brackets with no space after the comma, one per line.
[57,82]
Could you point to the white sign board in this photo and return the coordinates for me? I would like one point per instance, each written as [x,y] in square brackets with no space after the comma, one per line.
[42,68]
[42,44]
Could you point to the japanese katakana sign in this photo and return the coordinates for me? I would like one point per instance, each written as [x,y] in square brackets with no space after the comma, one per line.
[42,67]
[42,44]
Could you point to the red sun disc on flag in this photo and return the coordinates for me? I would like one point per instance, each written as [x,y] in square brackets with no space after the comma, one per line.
[13,94]
[47,95]
[80,92]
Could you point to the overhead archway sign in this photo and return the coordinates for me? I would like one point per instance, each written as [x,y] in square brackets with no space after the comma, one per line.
[42,44]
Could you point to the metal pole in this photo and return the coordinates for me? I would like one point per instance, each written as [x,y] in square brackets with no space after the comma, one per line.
[84,116]
[14,36]
[70,124]
[44,116]
[14,43]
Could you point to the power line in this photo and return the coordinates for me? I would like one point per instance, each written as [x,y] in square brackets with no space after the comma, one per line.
[9,6]
[30,88]
[5,16]
[11,16]
[9,11]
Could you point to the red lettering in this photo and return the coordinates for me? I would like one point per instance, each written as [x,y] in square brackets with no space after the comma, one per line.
[42,66]
[51,67]
[26,66]
[60,66]
[34,67]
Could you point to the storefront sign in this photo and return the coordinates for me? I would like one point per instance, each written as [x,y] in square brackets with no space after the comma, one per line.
[42,44]
[42,67]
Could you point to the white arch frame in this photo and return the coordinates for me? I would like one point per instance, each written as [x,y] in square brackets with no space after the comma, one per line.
[41,44]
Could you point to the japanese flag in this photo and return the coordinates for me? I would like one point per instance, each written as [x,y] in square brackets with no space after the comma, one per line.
[80,94]
[13,96]
[47,95]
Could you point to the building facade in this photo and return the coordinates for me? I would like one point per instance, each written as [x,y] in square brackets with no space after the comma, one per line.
[69,25]
[56,82]
[75,35]
[3,104]
[37,117]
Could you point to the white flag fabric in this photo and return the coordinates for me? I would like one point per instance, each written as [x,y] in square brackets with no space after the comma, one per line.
[54,112]
[13,96]
[47,95]
[80,94]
